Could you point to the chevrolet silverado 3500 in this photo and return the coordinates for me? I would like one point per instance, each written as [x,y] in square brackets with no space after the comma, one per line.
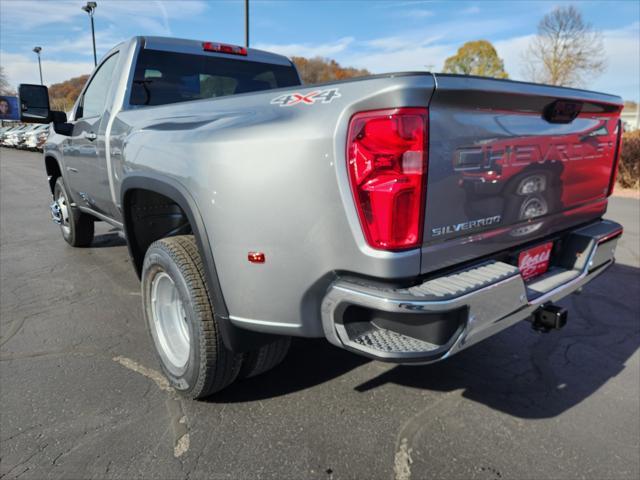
[402,216]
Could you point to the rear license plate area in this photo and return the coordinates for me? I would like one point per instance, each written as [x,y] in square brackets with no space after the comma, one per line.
[534,261]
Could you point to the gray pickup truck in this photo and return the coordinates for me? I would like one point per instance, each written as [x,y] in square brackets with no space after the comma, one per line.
[403,216]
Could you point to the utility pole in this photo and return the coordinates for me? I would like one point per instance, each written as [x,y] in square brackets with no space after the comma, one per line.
[37,51]
[90,8]
[246,23]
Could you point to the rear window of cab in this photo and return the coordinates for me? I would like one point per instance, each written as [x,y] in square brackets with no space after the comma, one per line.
[162,77]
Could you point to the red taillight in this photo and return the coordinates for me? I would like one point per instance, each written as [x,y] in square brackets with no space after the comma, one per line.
[256,257]
[387,162]
[223,48]
[616,160]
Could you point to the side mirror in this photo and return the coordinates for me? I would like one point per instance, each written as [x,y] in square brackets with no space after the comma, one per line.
[60,125]
[34,104]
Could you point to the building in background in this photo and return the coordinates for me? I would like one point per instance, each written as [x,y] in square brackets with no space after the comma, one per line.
[631,117]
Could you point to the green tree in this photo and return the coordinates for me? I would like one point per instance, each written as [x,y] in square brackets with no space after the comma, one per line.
[476,58]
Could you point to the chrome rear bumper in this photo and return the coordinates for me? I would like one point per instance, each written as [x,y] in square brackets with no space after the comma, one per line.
[442,316]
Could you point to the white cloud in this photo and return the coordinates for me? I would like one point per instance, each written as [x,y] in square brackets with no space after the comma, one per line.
[82,44]
[470,10]
[623,68]
[416,13]
[455,31]
[29,14]
[402,59]
[307,49]
[513,52]
[401,42]
[152,16]
[21,68]
[395,4]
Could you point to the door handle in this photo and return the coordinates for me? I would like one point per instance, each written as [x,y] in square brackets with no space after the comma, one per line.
[90,136]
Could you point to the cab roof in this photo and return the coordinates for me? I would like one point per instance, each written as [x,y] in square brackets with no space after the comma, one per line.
[195,47]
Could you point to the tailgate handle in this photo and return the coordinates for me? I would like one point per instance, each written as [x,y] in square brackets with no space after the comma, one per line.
[562,111]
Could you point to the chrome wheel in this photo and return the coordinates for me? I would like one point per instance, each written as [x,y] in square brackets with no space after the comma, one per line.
[170,327]
[532,184]
[533,207]
[62,209]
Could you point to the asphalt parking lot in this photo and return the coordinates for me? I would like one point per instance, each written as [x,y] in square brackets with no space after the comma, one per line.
[80,395]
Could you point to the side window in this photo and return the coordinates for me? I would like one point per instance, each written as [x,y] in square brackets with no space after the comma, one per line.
[95,95]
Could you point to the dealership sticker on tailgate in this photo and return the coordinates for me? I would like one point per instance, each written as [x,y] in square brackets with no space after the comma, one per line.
[535,261]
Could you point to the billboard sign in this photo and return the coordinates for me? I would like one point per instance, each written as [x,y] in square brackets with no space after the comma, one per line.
[9,108]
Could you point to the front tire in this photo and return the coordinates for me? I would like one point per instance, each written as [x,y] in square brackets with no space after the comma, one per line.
[179,316]
[77,228]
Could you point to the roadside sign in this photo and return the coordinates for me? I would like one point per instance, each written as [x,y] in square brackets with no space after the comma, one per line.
[9,108]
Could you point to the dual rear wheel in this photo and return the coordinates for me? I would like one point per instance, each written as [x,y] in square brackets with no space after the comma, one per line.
[178,310]
[180,319]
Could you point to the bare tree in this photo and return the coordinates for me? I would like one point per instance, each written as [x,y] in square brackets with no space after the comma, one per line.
[566,51]
[5,88]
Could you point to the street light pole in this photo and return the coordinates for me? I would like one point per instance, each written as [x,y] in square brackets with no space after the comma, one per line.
[246,23]
[37,51]
[90,8]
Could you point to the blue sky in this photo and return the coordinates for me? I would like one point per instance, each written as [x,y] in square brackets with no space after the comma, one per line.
[379,35]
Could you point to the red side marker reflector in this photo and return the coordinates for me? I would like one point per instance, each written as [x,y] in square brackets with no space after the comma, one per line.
[256,257]
[224,48]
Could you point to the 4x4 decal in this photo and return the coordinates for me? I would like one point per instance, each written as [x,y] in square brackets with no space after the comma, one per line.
[290,99]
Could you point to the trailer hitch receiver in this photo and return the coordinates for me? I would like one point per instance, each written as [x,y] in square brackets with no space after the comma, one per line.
[550,317]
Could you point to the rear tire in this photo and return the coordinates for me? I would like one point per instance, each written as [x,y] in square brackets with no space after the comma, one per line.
[76,227]
[180,319]
[263,359]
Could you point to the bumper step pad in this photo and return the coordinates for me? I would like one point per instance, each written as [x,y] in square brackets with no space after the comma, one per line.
[384,340]
[458,284]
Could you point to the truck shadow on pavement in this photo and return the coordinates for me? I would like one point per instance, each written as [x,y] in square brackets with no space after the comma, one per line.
[519,372]
[106,240]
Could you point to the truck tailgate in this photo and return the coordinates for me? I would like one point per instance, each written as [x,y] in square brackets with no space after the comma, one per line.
[511,162]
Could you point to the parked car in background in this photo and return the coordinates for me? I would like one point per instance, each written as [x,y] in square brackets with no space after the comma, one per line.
[22,136]
[13,137]
[6,131]
[35,138]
